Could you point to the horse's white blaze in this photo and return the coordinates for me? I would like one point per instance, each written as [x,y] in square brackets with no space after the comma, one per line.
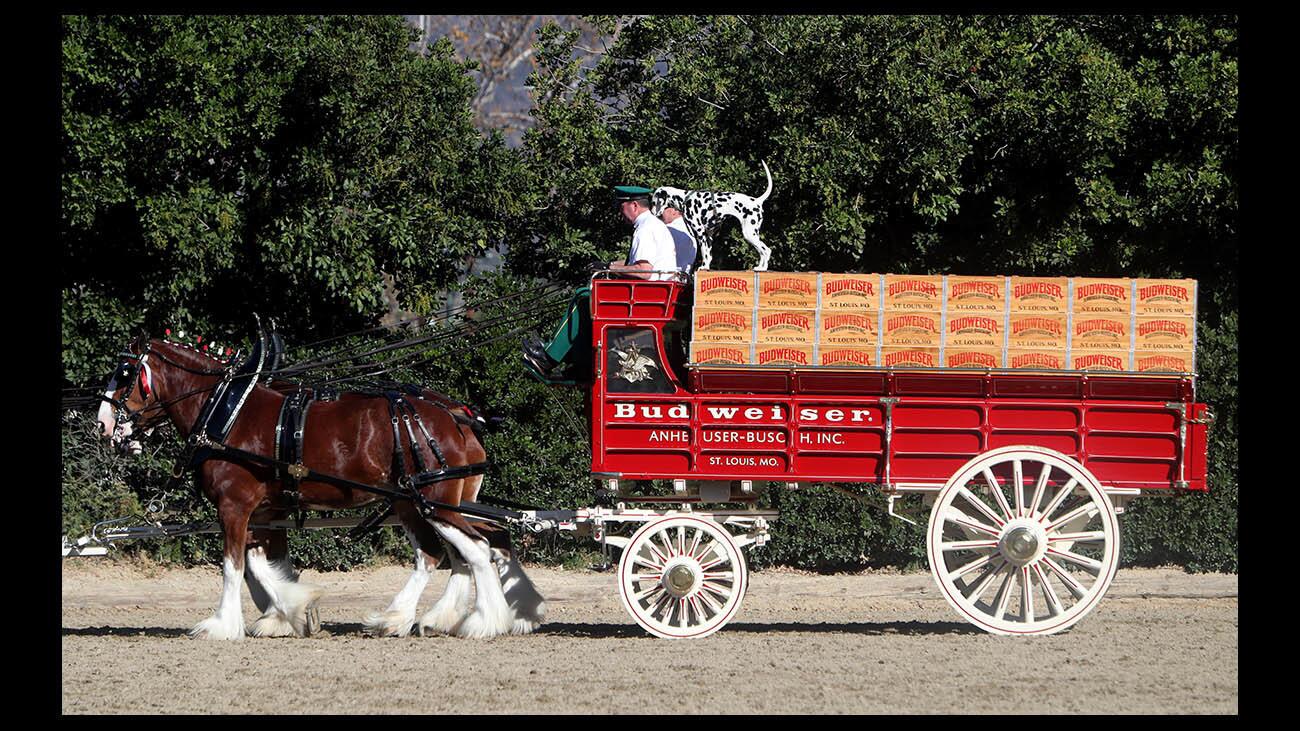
[491,615]
[105,417]
[397,620]
[289,599]
[228,622]
[453,605]
[527,607]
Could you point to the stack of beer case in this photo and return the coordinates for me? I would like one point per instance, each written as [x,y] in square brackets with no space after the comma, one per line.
[943,321]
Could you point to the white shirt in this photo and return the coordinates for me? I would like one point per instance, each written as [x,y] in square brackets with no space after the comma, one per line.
[652,242]
[684,243]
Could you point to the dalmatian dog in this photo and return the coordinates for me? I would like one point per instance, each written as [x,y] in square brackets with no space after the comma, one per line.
[704,211]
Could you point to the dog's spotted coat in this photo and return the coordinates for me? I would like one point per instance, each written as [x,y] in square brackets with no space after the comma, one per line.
[703,212]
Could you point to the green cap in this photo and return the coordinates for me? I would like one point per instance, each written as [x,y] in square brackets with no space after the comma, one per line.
[631,193]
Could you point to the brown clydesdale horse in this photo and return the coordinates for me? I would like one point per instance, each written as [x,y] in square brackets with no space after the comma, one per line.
[350,438]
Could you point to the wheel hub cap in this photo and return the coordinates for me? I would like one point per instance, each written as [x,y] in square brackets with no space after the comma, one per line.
[1020,544]
[1023,541]
[680,580]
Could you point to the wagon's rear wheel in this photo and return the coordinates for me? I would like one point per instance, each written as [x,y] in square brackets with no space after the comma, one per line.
[682,577]
[1023,541]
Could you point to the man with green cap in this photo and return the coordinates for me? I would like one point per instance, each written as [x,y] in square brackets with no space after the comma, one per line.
[653,255]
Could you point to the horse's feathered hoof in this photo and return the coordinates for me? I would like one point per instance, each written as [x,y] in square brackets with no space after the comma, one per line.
[214,628]
[313,620]
[272,624]
[388,624]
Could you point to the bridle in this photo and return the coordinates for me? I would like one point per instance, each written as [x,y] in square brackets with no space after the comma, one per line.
[134,369]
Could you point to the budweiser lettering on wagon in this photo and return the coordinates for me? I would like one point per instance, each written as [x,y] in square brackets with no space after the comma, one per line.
[856,292]
[724,289]
[976,294]
[1102,296]
[1039,294]
[848,328]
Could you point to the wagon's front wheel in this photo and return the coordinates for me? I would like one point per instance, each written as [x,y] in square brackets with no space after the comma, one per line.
[682,577]
[1023,541]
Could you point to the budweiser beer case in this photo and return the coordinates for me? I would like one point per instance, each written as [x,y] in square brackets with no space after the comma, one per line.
[944,321]
[1101,296]
[976,295]
[722,325]
[784,325]
[973,330]
[794,291]
[1039,295]
[836,327]
[912,327]
[725,289]
[1037,331]
[1170,297]
[913,292]
[853,292]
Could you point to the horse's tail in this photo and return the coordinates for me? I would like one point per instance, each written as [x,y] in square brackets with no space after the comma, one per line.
[767,192]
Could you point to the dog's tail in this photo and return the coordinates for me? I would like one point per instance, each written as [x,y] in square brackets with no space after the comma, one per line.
[767,192]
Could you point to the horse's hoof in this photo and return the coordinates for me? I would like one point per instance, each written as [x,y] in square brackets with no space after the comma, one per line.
[271,624]
[313,621]
[388,624]
[213,628]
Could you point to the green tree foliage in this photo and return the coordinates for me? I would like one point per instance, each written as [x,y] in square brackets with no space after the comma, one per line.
[214,166]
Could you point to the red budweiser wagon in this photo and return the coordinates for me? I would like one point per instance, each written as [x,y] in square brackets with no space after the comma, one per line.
[1024,471]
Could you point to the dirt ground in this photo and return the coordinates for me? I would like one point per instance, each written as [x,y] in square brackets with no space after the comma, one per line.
[1162,641]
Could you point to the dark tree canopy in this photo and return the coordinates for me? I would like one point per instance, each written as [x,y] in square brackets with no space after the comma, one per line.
[214,166]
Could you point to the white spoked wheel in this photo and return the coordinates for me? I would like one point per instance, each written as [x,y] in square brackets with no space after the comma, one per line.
[682,577]
[1023,541]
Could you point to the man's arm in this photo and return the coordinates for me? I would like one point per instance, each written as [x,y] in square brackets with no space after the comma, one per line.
[640,270]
